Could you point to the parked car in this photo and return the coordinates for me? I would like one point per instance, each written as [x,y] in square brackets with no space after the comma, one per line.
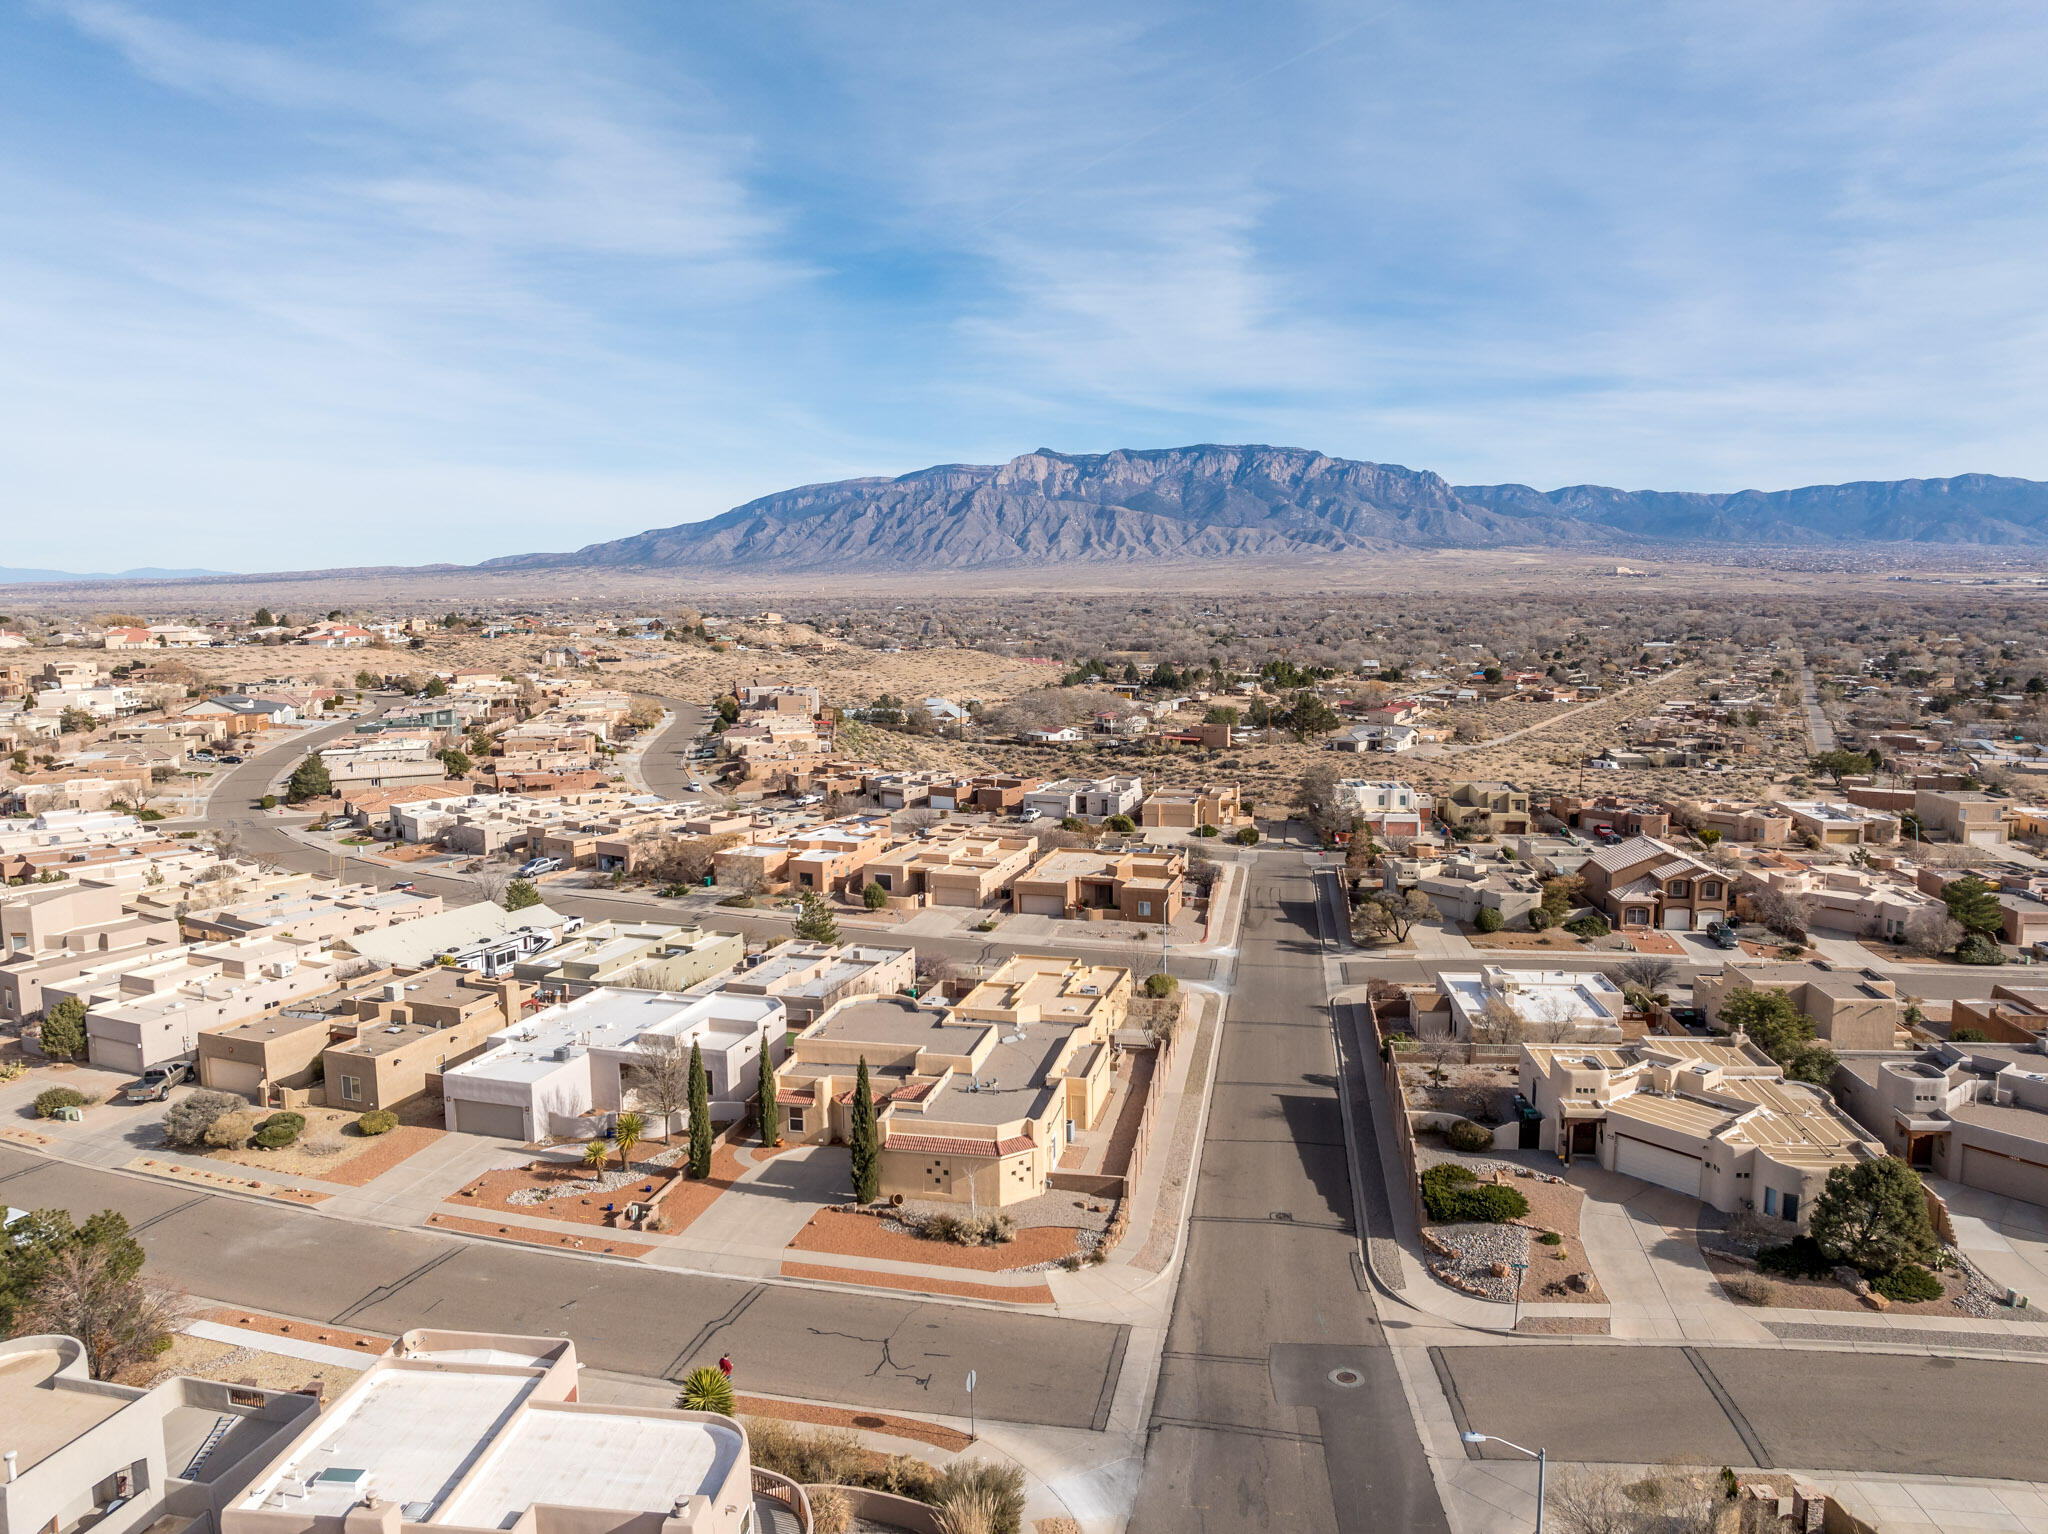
[404,885]
[1722,935]
[232,761]
[157,1081]
[534,866]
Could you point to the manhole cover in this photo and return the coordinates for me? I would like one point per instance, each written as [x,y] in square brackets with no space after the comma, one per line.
[1350,1379]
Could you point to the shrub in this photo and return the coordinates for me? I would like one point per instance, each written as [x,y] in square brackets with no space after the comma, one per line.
[1968,1036]
[1801,1257]
[1247,836]
[1588,926]
[1489,919]
[231,1131]
[1541,919]
[1979,949]
[378,1121]
[874,897]
[279,1130]
[1453,1195]
[829,1458]
[1123,825]
[1160,986]
[1908,1284]
[945,1227]
[51,1099]
[1746,1288]
[1551,1238]
[831,1513]
[977,1497]
[268,802]
[743,901]
[1207,831]
[186,1120]
[1073,823]
[1468,1136]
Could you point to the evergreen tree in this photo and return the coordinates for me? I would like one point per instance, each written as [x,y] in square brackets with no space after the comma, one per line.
[768,1112]
[63,1032]
[1973,903]
[520,894]
[309,780]
[863,1151]
[814,923]
[700,1115]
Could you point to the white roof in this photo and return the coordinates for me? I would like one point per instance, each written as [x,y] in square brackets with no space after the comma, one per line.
[612,1019]
[414,944]
[605,1460]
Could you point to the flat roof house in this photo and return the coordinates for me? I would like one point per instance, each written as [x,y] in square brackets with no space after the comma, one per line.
[1492,809]
[970,1108]
[1189,809]
[86,1453]
[484,938]
[648,956]
[410,1029]
[1841,825]
[820,858]
[953,866]
[1089,798]
[1712,1119]
[1545,1005]
[1976,1114]
[471,1431]
[1132,886]
[1850,1009]
[807,978]
[551,1072]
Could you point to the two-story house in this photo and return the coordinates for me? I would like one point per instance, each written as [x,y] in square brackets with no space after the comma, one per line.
[1644,882]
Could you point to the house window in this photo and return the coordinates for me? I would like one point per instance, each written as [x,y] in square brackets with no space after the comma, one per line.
[1681,889]
[1788,1207]
[351,1089]
[804,880]
[1144,908]
[884,880]
[1709,890]
[796,1121]
[1636,916]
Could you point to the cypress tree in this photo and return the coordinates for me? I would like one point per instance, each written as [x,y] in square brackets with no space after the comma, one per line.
[864,1153]
[700,1115]
[767,1112]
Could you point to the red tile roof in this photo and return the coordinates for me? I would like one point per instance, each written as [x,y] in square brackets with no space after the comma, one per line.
[948,1145]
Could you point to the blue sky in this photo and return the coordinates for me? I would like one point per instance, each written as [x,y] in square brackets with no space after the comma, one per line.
[291,285]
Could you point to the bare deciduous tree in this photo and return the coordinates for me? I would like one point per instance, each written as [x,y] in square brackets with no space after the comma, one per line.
[661,1078]
[1931,930]
[120,1317]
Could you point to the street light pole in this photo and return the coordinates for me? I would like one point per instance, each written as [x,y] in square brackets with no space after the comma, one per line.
[1541,1456]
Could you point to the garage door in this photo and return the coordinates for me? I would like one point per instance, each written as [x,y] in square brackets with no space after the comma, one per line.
[242,1077]
[2004,1174]
[1986,838]
[1678,918]
[507,1120]
[1042,905]
[1653,1163]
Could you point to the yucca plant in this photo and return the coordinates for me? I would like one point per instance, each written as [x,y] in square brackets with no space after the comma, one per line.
[706,1389]
[596,1153]
[627,1134]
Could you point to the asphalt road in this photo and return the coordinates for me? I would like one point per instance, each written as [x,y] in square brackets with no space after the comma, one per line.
[1249,1431]
[1756,1406]
[904,1354]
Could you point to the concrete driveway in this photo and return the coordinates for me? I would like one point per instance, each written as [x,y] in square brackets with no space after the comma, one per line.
[2008,1239]
[1641,1241]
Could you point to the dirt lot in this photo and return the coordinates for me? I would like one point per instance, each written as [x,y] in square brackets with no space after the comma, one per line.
[846,1234]
[232,1365]
[1553,939]
[353,1159]
[1556,1206]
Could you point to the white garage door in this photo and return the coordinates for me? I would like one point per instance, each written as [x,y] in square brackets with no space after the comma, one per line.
[242,1077]
[507,1120]
[1678,919]
[1986,838]
[2004,1174]
[1653,1163]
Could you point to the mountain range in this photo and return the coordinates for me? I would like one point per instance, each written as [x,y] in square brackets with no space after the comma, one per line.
[1214,502]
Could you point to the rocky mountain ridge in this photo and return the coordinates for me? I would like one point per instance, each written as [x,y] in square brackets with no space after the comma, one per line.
[1222,502]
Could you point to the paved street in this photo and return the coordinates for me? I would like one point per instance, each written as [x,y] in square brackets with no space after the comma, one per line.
[1249,1431]
[904,1354]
